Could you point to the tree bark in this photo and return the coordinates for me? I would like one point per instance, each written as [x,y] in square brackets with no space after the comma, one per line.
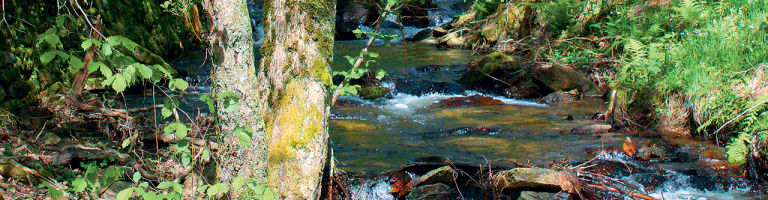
[285,100]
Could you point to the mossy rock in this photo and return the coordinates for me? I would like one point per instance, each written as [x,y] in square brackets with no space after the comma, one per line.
[497,65]
[562,78]
[373,92]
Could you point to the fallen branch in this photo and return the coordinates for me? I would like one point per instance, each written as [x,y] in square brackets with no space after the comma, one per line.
[536,178]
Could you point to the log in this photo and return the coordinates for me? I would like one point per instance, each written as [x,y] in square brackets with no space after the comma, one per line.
[534,177]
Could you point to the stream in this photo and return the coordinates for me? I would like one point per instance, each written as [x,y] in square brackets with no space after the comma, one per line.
[429,115]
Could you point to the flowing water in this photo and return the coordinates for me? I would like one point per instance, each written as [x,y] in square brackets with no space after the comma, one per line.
[384,134]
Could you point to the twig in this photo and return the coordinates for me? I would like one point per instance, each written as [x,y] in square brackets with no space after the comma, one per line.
[144,109]
[5,21]
[739,116]
[360,57]
[88,20]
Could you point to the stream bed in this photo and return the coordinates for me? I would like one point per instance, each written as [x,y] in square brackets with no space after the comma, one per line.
[429,115]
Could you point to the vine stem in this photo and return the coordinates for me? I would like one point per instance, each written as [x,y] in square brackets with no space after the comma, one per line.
[359,59]
[86,20]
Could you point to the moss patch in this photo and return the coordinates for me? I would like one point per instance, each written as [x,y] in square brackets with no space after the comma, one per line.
[298,122]
[320,70]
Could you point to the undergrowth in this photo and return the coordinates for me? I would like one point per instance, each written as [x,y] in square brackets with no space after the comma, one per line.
[698,64]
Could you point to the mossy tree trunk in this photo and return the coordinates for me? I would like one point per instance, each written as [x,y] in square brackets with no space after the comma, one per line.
[284,100]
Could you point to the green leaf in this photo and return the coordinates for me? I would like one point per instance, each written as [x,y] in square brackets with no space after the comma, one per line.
[144,184]
[146,72]
[181,84]
[207,99]
[79,185]
[203,188]
[136,177]
[111,175]
[181,130]
[245,141]
[53,39]
[75,63]
[238,182]
[380,74]
[125,194]
[166,112]
[217,188]
[186,159]
[106,50]
[126,142]
[119,84]
[358,33]
[170,128]
[48,56]
[95,66]
[54,192]
[105,71]
[60,20]
[373,55]
[268,194]
[165,185]
[108,81]
[113,40]
[206,155]
[86,44]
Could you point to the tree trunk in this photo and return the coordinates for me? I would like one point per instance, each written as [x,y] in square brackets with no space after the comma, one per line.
[285,100]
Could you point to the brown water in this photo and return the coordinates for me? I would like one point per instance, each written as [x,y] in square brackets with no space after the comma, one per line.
[385,134]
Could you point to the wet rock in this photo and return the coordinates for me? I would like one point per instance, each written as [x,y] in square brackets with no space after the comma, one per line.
[422,35]
[474,100]
[399,180]
[440,175]
[562,78]
[492,68]
[373,92]
[560,97]
[50,139]
[433,191]
[439,31]
[628,147]
[452,40]
[592,129]
[644,153]
[349,18]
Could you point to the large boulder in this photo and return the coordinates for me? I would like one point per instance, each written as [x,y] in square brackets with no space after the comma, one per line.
[562,78]
[350,16]
[491,70]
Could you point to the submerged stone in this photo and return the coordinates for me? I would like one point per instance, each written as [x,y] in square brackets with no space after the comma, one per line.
[474,100]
